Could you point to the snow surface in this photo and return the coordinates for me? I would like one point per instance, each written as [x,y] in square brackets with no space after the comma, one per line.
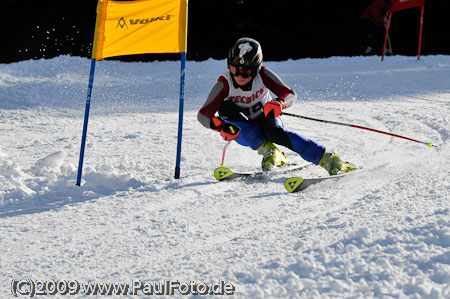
[383,232]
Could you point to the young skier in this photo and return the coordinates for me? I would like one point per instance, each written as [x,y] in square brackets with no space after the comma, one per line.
[248,114]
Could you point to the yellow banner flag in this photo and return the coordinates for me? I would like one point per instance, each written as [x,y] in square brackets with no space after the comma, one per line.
[140,26]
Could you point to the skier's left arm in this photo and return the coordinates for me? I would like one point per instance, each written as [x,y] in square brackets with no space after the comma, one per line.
[285,95]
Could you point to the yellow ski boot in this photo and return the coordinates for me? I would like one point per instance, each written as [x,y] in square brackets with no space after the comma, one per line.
[334,165]
[272,156]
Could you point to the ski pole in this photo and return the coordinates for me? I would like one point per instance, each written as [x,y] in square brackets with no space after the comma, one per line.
[358,127]
[223,153]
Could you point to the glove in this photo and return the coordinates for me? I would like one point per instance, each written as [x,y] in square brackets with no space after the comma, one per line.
[227,130]
[274,107]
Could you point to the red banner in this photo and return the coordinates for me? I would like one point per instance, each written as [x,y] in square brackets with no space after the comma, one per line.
[405,4]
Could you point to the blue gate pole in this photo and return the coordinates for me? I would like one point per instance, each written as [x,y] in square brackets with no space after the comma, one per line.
[180,114]
[86,119]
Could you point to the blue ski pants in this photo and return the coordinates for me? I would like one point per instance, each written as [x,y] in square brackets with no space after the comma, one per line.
[256,131]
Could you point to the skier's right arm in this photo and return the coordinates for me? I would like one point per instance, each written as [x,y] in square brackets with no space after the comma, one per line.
[216,96]
[206,117]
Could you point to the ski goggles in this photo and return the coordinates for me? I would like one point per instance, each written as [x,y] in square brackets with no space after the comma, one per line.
[243,72]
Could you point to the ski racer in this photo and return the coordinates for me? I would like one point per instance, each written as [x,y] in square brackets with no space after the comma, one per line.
[249,114]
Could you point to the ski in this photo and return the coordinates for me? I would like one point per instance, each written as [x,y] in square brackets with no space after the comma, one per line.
[222,173]
[296,184]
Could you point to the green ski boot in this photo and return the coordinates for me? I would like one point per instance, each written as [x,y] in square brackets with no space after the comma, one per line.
[334,165]
[272,156]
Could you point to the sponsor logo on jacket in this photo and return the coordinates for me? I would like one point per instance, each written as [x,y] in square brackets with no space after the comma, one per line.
[247,99]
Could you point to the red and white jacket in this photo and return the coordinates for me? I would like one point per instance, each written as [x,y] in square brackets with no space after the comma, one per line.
[256,94]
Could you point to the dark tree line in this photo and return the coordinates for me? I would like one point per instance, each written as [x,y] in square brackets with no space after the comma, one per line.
[286,29]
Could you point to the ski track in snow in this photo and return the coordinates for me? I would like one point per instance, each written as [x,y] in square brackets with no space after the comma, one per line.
[383,232]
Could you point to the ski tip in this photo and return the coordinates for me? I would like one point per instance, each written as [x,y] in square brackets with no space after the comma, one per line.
[292,184]
[221,173]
